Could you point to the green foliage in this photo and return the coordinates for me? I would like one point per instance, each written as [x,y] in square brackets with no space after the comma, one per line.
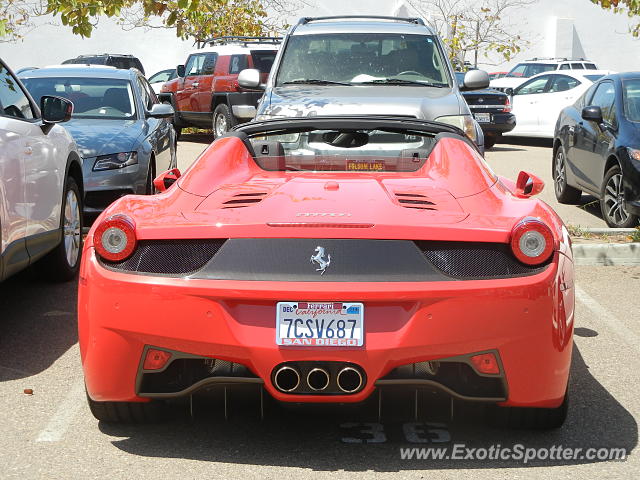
[631,7]
[192,19]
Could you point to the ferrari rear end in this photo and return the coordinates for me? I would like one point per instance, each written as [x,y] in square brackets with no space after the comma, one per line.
[324,260]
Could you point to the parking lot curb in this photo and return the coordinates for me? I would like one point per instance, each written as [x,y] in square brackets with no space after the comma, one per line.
[609,231]
[607,254]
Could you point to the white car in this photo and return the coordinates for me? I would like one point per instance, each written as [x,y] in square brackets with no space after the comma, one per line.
[40,184]
[538,102]
[535,66]
[158,79]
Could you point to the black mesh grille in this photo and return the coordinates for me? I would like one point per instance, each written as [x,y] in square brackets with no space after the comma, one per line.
[169,257]
[476,260]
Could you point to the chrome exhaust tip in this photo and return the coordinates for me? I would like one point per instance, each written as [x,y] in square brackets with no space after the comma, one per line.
[349,380]
[286,379]
[318,379]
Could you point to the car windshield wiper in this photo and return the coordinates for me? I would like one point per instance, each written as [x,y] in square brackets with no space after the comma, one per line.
[313,81]
[400,81]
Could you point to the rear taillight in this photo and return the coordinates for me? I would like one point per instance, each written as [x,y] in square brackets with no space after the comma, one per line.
[115,238]
[507,105]
[532,241]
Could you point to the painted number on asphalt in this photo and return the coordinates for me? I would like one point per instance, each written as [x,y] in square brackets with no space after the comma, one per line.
[414,432]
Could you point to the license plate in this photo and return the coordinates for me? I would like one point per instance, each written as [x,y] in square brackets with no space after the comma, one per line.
[482,117]
[318,324]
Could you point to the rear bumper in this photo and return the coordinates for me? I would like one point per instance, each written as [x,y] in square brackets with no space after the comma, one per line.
[528,321]
[500,123]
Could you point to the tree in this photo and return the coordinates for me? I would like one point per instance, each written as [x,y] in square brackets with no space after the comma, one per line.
[630,7]
[192,19]
[474,27]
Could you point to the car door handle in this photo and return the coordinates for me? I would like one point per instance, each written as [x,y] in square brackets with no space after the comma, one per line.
[28,151]
[195,84]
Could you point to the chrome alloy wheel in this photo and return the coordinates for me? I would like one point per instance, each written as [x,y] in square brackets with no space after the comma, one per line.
[614,200]
[220,125]
[72,228]
[560,180]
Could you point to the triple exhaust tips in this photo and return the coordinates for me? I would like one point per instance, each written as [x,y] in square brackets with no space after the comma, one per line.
[307,378]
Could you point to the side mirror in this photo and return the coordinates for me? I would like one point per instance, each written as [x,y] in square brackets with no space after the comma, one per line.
[161,110]
[528,185]
[180,71]
[55,109]
[592,114]
[249,78]
[509,91]
[475,80]
[166,179]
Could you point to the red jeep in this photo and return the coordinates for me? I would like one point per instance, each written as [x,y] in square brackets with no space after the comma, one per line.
[206,93]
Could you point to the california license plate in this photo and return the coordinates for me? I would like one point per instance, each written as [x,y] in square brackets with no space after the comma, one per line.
[320,324]
[482,117]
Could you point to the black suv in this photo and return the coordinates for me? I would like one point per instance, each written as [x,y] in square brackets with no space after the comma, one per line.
[112,59]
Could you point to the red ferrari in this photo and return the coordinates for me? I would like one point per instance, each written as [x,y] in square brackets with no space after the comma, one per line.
[323,259]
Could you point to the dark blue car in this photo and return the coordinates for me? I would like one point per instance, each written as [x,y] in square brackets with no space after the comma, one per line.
[597,149]
[124,134]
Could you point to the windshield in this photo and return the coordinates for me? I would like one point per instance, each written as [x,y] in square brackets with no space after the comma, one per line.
[357,58]
[526,70]
[631,99]
[104,98]
[343,150]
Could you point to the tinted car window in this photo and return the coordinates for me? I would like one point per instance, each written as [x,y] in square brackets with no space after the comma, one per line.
[530,69]
[263,59]
[533,86]
[562,83]
[604,97]
[103,98]
[577,66]
[237,63]
[201,64]
[590,66]
[87,61]
[359,57]
[565,66]
[13,100]
[631,99]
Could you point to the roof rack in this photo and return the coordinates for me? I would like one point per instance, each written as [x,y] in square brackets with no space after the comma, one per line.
[416,20]
[241,39]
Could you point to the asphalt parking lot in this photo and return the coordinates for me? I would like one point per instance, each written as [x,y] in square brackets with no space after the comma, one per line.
[51,434]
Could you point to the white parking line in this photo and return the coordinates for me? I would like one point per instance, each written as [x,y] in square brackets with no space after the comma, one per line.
[59,423]
[609,319]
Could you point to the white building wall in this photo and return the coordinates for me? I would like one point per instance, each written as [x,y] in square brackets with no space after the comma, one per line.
[550,25]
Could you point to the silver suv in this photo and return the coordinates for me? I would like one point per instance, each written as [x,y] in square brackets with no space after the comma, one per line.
[384,66]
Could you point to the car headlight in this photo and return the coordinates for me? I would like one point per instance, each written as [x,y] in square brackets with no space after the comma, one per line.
[115,161]
[463,122]
[634,154]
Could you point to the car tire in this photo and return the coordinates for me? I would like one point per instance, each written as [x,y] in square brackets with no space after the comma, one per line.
[530,418]
[489,141]
[63,262]
[127,412]
[150,189]
[612,201]
[565,193]
[223,120]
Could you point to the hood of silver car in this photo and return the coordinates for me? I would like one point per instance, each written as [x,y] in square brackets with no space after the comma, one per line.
[103,137]
[427,103]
